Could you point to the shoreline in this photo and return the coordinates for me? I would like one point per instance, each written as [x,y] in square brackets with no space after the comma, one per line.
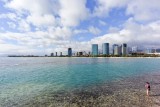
[88,56]
[122,93]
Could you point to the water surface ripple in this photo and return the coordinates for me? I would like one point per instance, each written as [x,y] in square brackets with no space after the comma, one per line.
[23,78]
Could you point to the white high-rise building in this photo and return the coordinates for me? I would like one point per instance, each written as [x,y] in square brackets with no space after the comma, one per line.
[115,49]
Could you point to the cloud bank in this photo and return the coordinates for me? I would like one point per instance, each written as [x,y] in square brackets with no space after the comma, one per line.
[44,26]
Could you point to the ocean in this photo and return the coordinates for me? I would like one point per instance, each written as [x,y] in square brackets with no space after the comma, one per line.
[24,78]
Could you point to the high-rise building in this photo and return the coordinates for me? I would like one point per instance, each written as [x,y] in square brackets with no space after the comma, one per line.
[124,49]
[94,49]
[52,54]
[69,52]
[89,53]
[56,53]
[60,53]
[115,49]
[157,50]
[105,48]
[120,50]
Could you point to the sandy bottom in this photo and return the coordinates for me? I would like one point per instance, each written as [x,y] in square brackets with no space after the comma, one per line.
[128,92]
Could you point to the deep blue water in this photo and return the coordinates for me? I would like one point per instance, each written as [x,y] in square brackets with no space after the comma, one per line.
[21,78]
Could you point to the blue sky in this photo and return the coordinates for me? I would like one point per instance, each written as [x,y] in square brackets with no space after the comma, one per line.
[43,26]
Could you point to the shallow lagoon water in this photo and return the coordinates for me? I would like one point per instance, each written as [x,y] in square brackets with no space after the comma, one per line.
[21,79]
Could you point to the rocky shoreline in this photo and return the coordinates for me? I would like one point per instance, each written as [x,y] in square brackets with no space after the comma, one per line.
[128,92]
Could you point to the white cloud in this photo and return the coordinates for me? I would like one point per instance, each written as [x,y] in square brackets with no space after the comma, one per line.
[78,31]
[28,44]
[76,46]
[46,13]
[34,39]
[60,33]
[72,12]
[94,30]
[38,7]
[102,23]
[11,25]
[15,49]
[41,20]
[133,34]
[113,30]
[24,26]
[155,26]
[56,22]
[144,10]
[141,10]
[2,42]
[105,6]
[39,13]
[10,16]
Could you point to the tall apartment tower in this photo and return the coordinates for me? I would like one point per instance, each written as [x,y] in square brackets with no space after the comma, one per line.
[60,53]
[94,49]
[105,48]
[124,49]
[115,49]
[69,52]
[56,53]
[52,54]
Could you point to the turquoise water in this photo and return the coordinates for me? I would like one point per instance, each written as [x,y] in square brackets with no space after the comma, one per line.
[24,78]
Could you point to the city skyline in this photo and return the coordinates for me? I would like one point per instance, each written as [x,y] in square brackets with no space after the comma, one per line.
[114,49]
[44,26]
[117,50]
